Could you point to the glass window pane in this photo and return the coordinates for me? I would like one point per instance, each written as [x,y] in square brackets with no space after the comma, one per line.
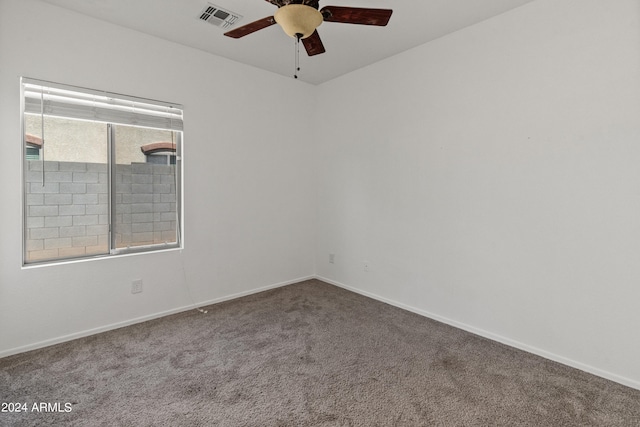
[145,204]
[66,207]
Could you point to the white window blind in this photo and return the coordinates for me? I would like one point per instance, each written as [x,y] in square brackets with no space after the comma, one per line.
[54,99]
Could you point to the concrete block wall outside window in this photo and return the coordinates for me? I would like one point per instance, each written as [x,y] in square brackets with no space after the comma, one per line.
[145,204]
[68,216]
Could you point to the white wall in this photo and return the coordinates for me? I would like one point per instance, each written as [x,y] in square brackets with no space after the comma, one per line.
[491,179]
[248,211]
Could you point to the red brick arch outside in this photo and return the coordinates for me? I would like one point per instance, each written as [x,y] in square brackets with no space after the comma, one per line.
[156,147]
[33,141]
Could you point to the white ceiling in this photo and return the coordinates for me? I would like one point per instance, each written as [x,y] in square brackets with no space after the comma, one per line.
[348,47]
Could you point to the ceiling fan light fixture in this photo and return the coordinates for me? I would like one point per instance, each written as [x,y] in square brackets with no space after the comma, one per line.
[298,19]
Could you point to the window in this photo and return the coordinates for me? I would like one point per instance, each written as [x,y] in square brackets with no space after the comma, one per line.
[33,145]
[89,187]
[160,153]
[33,153]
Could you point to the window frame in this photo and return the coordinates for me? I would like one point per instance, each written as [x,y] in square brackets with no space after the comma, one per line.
[112,249]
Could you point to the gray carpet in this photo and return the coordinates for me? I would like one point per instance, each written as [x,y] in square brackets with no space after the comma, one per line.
[308,354]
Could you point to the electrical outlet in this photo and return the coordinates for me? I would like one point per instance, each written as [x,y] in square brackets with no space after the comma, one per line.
[136,286]
[332,258]
[366,266]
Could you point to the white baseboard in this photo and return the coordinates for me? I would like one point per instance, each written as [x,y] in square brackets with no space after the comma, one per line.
[495,337]
[88,332]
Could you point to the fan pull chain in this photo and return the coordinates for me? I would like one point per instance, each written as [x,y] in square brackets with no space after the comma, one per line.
[297,55]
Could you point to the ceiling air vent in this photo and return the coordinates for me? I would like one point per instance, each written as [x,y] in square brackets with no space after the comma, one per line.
[218,16]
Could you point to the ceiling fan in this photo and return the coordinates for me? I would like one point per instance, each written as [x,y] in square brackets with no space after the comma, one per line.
[300,18]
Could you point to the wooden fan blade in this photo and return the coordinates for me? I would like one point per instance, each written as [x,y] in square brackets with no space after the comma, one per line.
[251,28]
[313,44]
[356,15]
